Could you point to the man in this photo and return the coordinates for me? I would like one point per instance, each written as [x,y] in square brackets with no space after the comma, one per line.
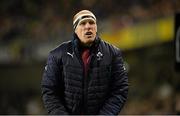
[85,75]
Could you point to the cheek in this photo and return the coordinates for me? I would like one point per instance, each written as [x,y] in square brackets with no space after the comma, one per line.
[78,32]
[95,28]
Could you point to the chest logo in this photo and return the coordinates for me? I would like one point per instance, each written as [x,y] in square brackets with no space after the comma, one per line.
[99,55]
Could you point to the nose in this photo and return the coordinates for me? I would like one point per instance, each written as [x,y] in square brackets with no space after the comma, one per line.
[88,25]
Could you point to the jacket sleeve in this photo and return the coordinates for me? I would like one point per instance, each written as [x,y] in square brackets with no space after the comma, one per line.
[119,87]
[52,87]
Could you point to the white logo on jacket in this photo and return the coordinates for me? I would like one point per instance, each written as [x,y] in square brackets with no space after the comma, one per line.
[70,54]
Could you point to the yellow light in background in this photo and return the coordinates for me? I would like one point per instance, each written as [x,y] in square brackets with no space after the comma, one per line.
[166,30]
[142,34]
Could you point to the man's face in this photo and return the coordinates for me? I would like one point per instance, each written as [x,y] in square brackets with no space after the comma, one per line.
[86,31]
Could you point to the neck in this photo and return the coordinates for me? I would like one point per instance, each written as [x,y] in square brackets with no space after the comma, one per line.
[86,45]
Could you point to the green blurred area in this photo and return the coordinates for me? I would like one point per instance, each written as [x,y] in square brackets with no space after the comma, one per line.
[30,29]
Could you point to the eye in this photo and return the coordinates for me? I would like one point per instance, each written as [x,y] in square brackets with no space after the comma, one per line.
[91,22]
[83,23]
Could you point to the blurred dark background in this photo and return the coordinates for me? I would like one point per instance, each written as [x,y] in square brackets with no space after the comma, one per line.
[143,29]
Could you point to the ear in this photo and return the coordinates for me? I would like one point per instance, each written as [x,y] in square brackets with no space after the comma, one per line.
[75,30]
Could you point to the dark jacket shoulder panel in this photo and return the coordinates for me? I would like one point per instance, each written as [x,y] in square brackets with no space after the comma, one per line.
[60,50]
[113,50]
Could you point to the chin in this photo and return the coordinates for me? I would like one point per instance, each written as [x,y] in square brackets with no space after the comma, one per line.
[88,42]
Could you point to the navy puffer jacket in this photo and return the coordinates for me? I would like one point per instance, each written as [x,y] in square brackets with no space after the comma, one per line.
[67,90]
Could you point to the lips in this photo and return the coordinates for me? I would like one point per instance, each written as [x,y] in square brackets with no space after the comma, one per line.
[88,33]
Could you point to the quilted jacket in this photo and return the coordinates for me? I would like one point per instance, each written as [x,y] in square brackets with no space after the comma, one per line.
[67,90]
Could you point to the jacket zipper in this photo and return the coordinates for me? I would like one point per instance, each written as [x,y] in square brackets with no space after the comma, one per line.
[85,87]
[85,82]
[81,62]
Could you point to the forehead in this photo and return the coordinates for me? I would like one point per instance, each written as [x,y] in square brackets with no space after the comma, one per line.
[87,21]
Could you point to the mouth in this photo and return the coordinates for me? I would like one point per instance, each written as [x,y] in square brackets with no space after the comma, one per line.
[88,33]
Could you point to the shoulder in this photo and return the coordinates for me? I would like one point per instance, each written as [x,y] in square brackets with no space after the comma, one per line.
[111,48]
[60,49]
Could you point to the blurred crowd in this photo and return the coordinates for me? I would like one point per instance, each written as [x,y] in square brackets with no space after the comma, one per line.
[36,26]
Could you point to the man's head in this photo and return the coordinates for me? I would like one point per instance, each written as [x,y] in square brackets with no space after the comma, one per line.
[85,26]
